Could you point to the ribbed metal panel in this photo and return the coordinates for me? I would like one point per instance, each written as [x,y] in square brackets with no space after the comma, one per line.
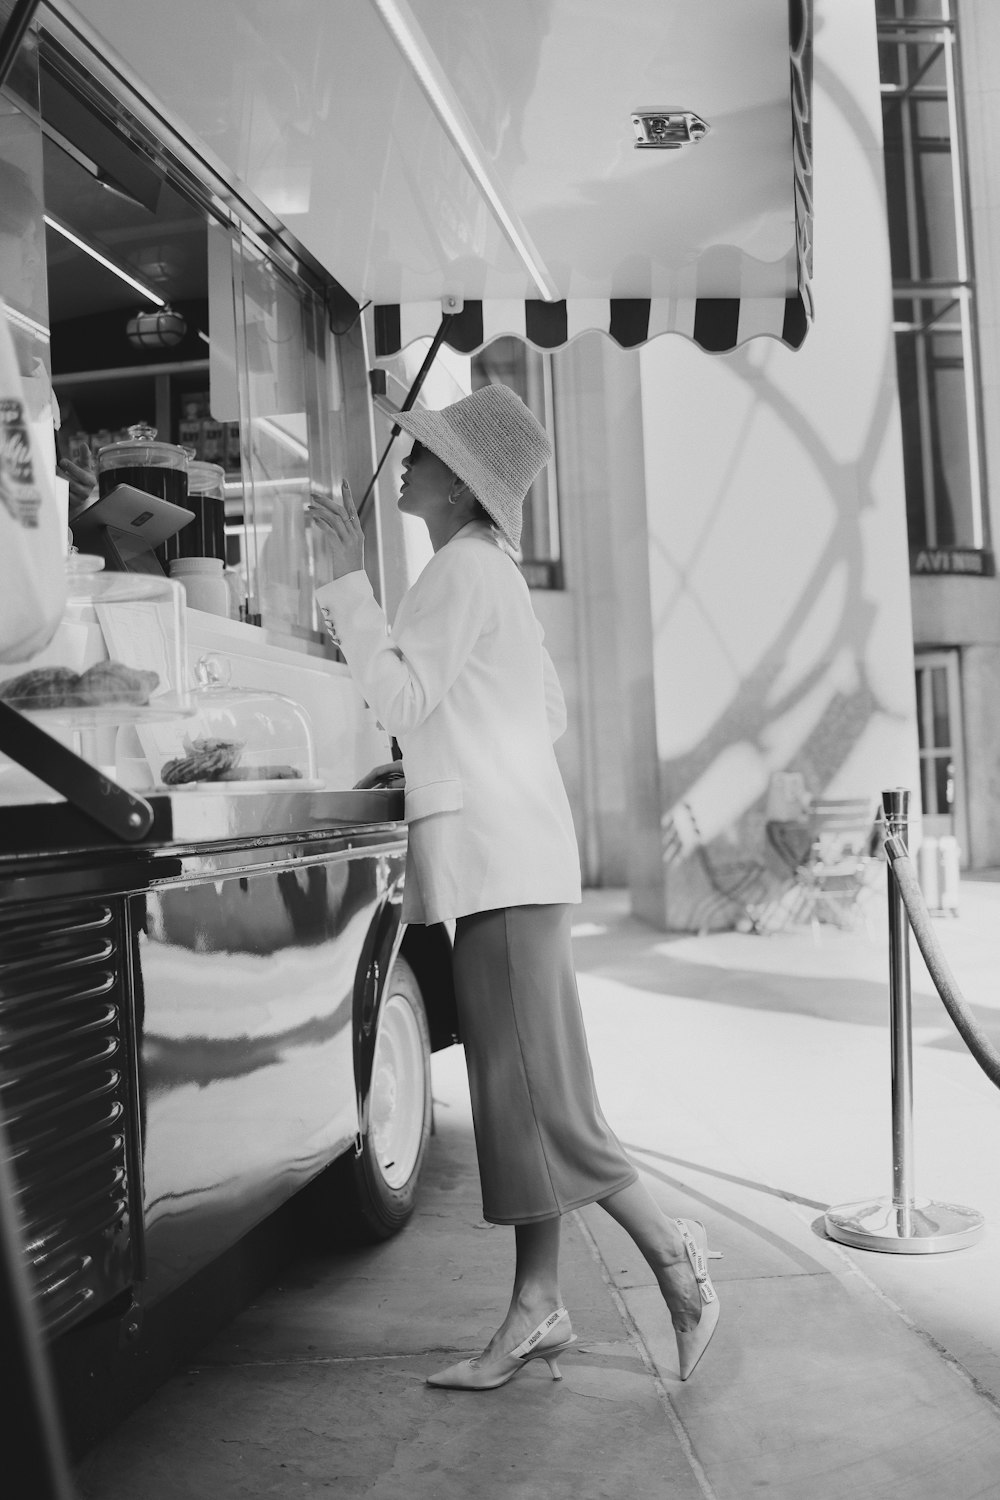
[63,1078]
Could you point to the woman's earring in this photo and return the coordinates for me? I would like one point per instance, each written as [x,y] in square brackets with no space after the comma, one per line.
[453,496]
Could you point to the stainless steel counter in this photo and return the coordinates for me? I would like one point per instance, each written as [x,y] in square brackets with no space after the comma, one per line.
[45,829]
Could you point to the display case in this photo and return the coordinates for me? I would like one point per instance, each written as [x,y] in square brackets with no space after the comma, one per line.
[236,740]
[117,657]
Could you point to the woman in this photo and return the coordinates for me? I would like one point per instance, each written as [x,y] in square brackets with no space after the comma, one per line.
[463,682]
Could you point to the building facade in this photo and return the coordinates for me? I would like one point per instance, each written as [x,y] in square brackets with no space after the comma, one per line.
[738,598]
[941,109]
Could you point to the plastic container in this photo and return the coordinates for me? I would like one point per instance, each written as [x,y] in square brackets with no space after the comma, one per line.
[204,582]
[238,740]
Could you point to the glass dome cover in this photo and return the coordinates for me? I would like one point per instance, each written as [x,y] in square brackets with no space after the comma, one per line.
[237,740]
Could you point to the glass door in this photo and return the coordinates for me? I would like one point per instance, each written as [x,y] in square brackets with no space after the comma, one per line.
[942,761]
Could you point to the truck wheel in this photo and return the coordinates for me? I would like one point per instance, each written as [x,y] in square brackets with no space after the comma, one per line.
[379,1187]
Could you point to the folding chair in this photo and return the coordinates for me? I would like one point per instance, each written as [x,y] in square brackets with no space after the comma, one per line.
[839,866]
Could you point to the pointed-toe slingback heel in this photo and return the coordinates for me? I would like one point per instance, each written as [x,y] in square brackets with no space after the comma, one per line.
[543,1343]
[691,1344]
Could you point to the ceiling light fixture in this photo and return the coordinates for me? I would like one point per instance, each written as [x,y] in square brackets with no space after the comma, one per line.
[159,329]
[95,254]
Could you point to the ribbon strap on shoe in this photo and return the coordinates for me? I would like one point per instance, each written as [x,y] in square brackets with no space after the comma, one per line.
[533,1339]
[699,1263]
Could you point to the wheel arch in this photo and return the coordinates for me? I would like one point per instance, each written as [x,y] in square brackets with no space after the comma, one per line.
[427,950]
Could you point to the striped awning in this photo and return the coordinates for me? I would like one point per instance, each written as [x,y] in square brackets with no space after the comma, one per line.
[718,324]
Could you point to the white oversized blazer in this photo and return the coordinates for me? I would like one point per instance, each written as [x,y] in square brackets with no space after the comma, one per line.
[465,685]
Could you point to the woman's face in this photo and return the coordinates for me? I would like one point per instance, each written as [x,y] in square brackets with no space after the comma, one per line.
[426,482]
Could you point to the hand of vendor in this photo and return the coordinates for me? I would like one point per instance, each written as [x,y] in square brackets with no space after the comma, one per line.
[81,482]
[340,521]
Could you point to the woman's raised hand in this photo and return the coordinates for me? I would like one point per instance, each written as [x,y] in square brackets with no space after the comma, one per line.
[341,522]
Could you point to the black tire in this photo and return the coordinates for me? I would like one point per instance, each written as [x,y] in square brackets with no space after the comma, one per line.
[370,1197]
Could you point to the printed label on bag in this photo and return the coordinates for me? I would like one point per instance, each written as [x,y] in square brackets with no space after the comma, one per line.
[19,491]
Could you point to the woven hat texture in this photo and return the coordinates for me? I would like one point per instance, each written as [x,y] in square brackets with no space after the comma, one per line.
[492,441]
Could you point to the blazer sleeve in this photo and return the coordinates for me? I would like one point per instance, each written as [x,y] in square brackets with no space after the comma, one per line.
[406,671]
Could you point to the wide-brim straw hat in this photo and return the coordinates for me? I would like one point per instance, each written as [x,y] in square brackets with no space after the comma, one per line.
[490,440]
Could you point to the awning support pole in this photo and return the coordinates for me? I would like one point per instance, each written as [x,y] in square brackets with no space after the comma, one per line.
[411,396]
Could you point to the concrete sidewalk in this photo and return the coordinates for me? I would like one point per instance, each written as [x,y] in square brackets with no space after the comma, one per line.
[318,1389]
[749,1078]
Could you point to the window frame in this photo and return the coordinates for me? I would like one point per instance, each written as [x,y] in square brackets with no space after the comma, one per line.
[957,294]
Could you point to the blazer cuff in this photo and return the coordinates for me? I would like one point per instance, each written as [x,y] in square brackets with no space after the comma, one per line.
[433,797]
[340,597]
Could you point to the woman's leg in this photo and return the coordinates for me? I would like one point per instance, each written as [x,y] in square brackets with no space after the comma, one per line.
[658,1239]
[536,1283]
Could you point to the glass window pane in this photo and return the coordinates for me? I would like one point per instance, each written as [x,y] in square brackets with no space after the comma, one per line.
[920,197]
[921,714]
[512,362]
[910,10]
[22,242]
[943,783]
[939,703]
[937,457]
[928,786]
[278,366]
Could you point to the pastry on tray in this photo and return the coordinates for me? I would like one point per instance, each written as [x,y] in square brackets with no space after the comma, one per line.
[59,687]
[262,773]
[114,682]
[206,760]
[44,687]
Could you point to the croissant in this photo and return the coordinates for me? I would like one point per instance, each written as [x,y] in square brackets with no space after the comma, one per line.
[114,682]
[43,687]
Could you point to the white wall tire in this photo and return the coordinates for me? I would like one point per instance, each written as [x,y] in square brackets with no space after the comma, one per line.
[373,1195]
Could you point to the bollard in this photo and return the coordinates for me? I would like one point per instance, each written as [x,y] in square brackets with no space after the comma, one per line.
[902,1224]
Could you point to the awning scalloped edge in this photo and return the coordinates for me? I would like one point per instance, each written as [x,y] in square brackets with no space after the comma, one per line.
[717,324]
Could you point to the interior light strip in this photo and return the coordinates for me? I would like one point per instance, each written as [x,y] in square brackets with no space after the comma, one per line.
[28,324]
[74,239]
[416,49]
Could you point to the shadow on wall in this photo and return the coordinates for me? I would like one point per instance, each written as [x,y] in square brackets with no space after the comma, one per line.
[798,633]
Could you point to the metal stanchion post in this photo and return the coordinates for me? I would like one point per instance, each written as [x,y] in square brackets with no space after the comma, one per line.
[903,1224]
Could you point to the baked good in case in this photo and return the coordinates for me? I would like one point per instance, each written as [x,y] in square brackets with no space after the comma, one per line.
[114,682]
[43,687]
[59,687]
[206,760]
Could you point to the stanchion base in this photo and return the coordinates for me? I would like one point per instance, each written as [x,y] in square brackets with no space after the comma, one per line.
[921,1227]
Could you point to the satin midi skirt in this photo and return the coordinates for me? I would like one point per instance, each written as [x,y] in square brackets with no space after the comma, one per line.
[544,1147]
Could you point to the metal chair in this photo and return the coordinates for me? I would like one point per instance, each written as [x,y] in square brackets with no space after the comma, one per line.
[831,856]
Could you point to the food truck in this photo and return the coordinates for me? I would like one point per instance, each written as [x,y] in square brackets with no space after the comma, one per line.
[223,229]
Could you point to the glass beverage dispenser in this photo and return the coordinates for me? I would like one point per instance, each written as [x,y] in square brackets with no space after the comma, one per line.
[156,468]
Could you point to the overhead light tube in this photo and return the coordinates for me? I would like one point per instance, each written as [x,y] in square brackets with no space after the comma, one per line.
[95,254]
